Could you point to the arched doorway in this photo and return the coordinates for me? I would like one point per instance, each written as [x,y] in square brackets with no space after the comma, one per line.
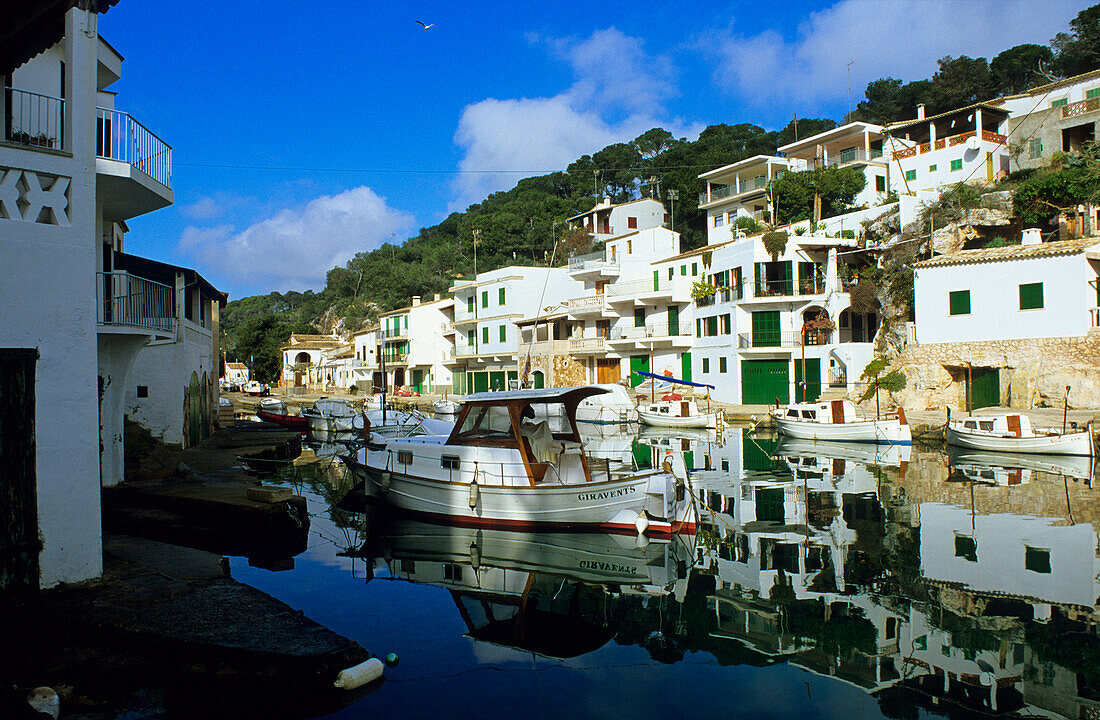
[301,362]
[817,326]
[538,380]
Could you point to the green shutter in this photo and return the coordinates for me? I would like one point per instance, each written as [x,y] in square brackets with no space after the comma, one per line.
[673,320]
[656,281]
[638,363]
[500,296]
[1031,296]
[685,366]
[484,298]
[470,305]
[485,335]
[812,389]
[706,365]
[639,317]
[684,270]
[1059,103]
[959,302]
[910,174]
[956,164]
[759,289]
[1090,94]
[788,277]
[765,328]
[503,333]
[722,364]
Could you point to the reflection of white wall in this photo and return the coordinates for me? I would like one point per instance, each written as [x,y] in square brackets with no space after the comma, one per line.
[1001,542]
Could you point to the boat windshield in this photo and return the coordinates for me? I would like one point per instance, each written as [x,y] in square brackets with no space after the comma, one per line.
[486,422]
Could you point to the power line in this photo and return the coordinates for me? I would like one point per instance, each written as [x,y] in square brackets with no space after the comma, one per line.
[291,168]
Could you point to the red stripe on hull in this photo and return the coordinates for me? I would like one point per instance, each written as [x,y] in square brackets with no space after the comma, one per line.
[292,422]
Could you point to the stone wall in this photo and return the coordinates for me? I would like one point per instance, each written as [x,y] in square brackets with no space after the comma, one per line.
[1034,372]
[568,371]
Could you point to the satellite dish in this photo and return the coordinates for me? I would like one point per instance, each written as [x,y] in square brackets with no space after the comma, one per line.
[972,143]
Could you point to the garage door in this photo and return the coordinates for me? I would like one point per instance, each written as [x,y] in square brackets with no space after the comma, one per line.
[638,363]
[986,388]
[607,370]
[812,389]
[762,381]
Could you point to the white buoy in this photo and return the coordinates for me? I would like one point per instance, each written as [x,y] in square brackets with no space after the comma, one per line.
[359,675]
[642,524]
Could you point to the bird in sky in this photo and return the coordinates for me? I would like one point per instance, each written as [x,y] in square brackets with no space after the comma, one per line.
[425,26]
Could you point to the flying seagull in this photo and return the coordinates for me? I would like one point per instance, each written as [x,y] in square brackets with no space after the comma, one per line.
[425,26]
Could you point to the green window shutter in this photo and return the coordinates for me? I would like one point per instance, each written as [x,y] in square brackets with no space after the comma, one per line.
[759,289]
[706,365]
[694,269]
[503,333]
[788,275]
[471,337]
[956,165]
[931,168]
[485,335]
[722,364]
[656,281]
[470,305]
[880,183]
[699,326]
[484,298]
[712,326]
[639,317]
[500,296]
[670,273]
[910,174]
[684,270]
[1090,94]
[959,302]
[1031,296]
[1059,103]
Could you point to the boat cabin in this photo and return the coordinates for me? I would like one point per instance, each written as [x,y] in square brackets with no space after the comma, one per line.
[1002,425]
[836,411]
[673,408]
[521,420]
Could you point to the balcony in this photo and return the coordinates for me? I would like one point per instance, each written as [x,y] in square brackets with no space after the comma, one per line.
[782,339]
[33,119]
[846,157]
[946,142]
[464,351]
[588,345]
[128,301]
[395,358]
[133,166]
[1080,108]
[594,266]
[395,334]
[649,290]
[721,295]
[590,305]
[655,334]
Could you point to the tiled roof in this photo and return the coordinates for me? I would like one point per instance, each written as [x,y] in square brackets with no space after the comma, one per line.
[902,124]
[236,366]
[310,342]
[1012,252]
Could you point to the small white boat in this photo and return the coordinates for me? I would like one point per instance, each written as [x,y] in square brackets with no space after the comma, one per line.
[1012,432]
[445,407]
[498,468]
[254,387]
[615,407]
[837,420]
[676,414]
[333,415]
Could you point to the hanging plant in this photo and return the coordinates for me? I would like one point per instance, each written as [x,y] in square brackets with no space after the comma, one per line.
[701,289]
[707,254]
[775,243]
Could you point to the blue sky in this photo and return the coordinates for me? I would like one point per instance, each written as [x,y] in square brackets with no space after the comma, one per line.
[304,132]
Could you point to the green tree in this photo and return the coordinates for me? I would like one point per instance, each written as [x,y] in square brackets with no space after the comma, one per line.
[1019,68]
[1078,51]
[889,100]
[802,128]
[959,82]
[793,194]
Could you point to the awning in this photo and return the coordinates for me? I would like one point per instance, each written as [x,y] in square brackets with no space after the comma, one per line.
[667,378]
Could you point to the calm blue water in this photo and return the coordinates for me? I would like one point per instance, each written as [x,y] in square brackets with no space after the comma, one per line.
[824,583]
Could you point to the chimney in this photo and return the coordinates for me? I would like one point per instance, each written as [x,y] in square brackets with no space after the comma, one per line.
[437,296]
[416,300]
[1031,236]
[920,111]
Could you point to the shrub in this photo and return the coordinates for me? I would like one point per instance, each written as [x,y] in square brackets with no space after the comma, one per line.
[775,243]
[353,389]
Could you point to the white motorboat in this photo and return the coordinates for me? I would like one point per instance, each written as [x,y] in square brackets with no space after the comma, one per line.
[1012,432]
[837,420]
[333,415]
[445,407]
[676,414]
[498,468]
[255,388]
[615,407]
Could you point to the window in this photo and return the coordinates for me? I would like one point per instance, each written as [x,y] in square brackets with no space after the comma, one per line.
[719,220]
[694,269]
[880,183]
[671,272]
[484,298]
[966,548]
[1034,148]
[931,168]
[956,165]
[471,337]
[722,364]
[188,304]
[485,335]
[449,462]
[639,317]
[470,305]
[143,391]
[712,325]
[1093,93]
[500,296]
[404,457]
[910,174]
[684,270]
[1037,559]
[725,324]
[1059,102]
[958,302]
[503,333]
[1031,296]
[632,223]
[629,247]
[698,327]
[706,365]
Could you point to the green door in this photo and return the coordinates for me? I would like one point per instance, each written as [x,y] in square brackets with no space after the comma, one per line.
[497,380]
[673,320]
[769,504]
[481,381]
[643,454]
[685,366]
[638,363]
[765,328]
[538,380]
[418,380]
[985,391]
[762,381]
[812,390]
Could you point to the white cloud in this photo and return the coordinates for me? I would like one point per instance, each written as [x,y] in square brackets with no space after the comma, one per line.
[619,92]
[901,39]
[296,247]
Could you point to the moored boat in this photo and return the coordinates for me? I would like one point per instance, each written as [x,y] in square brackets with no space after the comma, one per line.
[445,407]
[332,415]
[1012,432]
[837,420]
[274,410]
[1013,466]
[615,407]
[498,468]
[676,414]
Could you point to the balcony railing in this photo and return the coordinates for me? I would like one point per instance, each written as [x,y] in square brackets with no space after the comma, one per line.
[120,137]
[717,192]
[1080,108]
[721,295]
[769,338]
[34,119]
[590,261]
[133,301]
[395,357]
[464,351]
[946,142]
[590,344]
[655,330]
[589,303]
[849,155]
[390,333]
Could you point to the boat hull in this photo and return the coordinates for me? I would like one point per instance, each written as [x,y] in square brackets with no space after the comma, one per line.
[705,420]
[292,422]
[620,506]
[890,432]
[1079,443]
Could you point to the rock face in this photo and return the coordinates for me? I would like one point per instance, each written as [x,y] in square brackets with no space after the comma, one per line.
[1033,372]
[953,236]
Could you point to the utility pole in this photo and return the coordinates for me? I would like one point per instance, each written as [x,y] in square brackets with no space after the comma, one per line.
[673,196]
[477,234]
[849,90]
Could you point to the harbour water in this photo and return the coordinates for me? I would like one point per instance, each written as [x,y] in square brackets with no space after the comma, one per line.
[827,581]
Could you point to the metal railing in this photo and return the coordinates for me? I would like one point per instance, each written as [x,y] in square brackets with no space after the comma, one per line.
[773,288]
[389,333]
[654,330]
[126,299]
[395,357]
[590,261]
[848,155]
[769,338]
[721,295]
[464,351]
[34,119]
[120,137]
[716,192]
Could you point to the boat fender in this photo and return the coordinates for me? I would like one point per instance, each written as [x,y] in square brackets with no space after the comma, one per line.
[475,556]
[679,490]
[366,426]
[359,675]
[475,494]
[641,524]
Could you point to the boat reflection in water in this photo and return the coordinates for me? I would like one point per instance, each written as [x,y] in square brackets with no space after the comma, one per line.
[1014,468]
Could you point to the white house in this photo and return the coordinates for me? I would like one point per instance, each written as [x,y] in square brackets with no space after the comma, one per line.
[1041,290]
[236,373]
[606,220]
[302,358]
[962,145]
[173,383]
[486,310]
[73,171]
[739,190]
[365,371]
[417,345]
[1057,117]
[856,144]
